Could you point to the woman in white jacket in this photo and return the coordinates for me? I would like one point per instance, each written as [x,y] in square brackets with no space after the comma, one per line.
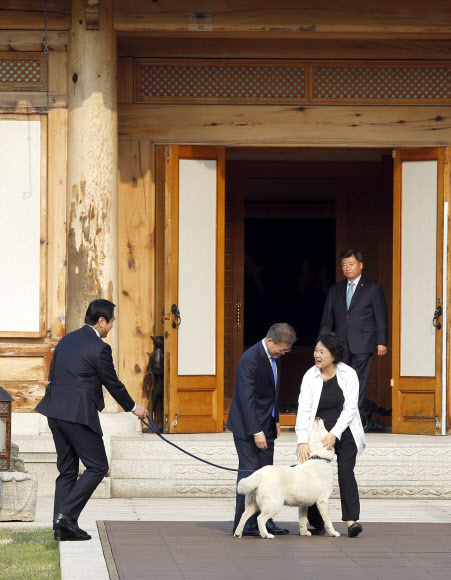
[330,390]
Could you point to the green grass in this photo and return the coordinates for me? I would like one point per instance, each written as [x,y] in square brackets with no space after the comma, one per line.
[29,556]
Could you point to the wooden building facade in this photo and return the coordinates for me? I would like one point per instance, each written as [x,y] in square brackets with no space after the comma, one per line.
[146,146]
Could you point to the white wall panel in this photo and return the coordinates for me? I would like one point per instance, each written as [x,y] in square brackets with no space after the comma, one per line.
[20,154]
[197,267]
[418,270]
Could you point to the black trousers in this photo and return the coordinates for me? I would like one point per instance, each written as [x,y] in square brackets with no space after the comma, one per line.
[251,457]
[74,442]
[361,363]
[346,451]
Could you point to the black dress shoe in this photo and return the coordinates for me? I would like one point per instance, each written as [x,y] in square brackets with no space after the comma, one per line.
[274,530]
[66,536]
[251,530]
[69,524]
[354,530]
[317,531]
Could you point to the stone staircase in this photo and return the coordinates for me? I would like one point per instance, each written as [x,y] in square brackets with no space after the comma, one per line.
[142,465]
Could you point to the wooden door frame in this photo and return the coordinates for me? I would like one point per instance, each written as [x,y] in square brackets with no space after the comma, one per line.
[416,154]
[271,150]
[171,380]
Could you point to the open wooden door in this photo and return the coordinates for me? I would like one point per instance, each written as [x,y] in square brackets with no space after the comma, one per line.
[194,288]
[418,290]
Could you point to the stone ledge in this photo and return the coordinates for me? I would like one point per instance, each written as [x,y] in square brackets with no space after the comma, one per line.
[142,465]
[35,424]
[39,454]
[18,492]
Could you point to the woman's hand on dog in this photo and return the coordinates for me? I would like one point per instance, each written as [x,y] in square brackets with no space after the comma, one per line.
[329,441]
[303,452]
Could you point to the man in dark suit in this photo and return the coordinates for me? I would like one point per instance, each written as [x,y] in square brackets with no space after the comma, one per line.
[81,364]
[254,411]
[355,309]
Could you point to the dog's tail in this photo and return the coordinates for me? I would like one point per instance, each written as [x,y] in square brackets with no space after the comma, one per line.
[250,483]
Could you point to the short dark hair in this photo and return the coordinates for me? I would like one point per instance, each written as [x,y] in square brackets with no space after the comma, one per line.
[334,344]
[349,253]
[98,309]
[282,332]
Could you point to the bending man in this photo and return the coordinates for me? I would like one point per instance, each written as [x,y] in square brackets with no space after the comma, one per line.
[81,364]
[254,411]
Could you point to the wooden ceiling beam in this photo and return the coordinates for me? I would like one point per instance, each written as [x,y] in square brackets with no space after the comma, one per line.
[30,15]
[283,48]
[287,126]
[32,40]
[297,19]
[286,18]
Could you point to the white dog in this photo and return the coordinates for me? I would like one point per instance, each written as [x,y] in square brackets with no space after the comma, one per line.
[273,486]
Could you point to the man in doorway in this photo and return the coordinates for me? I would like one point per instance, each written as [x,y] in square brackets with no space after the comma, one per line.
[81,364]
[355,309]
[254,412]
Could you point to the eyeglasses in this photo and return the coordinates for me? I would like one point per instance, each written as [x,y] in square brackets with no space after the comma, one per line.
[284,350]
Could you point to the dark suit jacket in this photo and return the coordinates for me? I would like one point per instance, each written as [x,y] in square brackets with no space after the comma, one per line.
[365,324]
[81,364]
[254,394]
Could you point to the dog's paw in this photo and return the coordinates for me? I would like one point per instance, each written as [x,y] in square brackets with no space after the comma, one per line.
[237,535]
[305,533]
[269,536]
[334,534]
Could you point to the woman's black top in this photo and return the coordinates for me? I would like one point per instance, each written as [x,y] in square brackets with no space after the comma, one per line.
[330,403]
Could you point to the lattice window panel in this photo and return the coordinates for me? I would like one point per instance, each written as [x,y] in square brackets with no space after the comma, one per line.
[4,407]
[218,82]
[3,464]
[24,71]
[382,83]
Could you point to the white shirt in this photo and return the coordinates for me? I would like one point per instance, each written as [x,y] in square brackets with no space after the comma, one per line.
[268,355]
[94,329]
[311,387]
[98,334]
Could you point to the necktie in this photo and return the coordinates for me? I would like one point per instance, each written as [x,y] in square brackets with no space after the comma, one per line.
[349,294]
[274,372]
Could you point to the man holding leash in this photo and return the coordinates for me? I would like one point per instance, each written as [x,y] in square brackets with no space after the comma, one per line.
[254,412]
[81,364]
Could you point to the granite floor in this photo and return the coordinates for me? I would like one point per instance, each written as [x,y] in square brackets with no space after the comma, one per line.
[85,560]
[208,551]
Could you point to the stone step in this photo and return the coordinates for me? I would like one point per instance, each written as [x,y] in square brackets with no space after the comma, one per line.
[392,466]
[143,465]
[39,454]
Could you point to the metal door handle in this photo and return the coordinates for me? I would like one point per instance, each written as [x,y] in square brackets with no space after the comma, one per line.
[238,315]
[435,321]
[177,318]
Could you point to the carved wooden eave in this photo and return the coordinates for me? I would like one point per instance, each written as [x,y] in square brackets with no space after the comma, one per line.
[92,14]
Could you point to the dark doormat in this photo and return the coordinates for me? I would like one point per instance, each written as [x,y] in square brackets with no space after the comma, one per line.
[208,551]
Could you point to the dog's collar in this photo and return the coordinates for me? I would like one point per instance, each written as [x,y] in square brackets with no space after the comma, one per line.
[322,458]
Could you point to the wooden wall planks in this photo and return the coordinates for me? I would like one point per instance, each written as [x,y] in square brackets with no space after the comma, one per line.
[136,225]
[57,183]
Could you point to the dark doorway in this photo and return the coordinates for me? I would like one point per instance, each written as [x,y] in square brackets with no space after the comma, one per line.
[289,265]
[287,220]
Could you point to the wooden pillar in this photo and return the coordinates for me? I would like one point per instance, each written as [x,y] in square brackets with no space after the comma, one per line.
[92,161]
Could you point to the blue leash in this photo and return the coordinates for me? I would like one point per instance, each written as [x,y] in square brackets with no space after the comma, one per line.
[155,429]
